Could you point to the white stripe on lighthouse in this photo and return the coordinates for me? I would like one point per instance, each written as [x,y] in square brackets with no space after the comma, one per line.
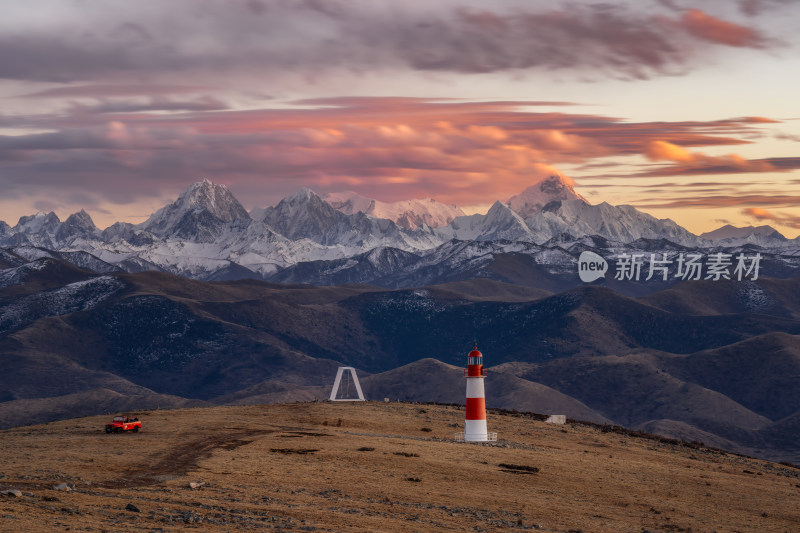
[475,430]
[475,387]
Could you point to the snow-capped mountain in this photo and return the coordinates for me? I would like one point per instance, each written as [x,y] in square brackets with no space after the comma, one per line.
[38,229]
[78,224]
[207,234]
[408,214]
[124,231]
[620,223]
[551,207]
[500,223]
[39,223]
[732,232]
[729,235]
[304,215]
[533,199]
[199,214]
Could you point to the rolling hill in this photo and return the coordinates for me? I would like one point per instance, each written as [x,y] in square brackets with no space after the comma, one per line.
[694,359]
[376,466]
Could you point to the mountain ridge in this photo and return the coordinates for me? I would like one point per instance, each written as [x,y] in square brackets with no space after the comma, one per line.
[408,214]
[207,234]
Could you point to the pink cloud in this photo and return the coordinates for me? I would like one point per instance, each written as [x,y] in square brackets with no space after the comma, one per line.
[459,152]
[714,201]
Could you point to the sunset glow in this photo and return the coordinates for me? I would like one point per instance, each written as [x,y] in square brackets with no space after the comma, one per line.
[684,111]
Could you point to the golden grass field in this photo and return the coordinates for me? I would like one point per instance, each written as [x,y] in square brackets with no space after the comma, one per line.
[377,467]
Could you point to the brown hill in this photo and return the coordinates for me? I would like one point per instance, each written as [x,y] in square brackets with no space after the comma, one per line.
[42,274]
[760,373]
[90,402]
[589,353]
[767,296]
[377,467]
[476,290]
[433,381]
[631,391]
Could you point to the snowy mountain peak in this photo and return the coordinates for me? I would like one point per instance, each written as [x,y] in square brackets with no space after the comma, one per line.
[78,224]
[303,195]
[198,214]
[499,210]
[82,219]
[306,216]
[622,223]
[302,215]
[38,223]
[759,235]
[349,202]
[300,203]
[408,214]
[499,223]
[534,198]
[732,232]
[214,198]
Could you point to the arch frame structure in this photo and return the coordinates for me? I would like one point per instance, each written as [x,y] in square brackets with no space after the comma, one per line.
[338,382]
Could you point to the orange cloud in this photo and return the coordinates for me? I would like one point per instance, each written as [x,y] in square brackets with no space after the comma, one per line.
[697,163]
[662,150]
[758,213]
[703,26]
[782,219]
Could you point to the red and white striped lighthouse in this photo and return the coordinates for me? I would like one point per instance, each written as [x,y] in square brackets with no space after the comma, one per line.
[475,419]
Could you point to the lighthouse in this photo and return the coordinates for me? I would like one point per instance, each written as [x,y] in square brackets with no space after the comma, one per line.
[475,417]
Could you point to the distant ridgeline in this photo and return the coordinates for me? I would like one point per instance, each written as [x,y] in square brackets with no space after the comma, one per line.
[535,239]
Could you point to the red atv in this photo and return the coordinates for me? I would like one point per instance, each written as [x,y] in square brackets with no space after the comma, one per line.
[123,423]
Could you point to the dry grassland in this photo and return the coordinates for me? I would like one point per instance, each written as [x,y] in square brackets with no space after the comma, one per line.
[377,467]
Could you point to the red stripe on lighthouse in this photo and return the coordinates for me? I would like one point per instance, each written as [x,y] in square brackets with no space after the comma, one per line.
[475,371]
[476,409]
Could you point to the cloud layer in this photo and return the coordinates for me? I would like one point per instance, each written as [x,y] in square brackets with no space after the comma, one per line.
[765,216]
[457,151]
[118,106]
[201,37]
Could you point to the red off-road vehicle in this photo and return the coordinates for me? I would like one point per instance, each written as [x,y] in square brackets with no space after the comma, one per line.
[123,423]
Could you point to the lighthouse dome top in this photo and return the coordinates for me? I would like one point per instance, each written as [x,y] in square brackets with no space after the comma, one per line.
[474,352]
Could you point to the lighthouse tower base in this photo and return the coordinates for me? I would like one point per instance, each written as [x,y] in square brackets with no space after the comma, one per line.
[485,437]
[475,431]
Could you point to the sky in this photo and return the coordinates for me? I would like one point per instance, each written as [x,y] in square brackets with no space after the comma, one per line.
[684,109]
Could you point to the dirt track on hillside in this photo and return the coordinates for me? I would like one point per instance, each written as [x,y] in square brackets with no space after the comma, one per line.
[177,461]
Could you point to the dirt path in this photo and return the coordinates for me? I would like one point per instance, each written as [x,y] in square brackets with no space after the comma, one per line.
[178,461]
